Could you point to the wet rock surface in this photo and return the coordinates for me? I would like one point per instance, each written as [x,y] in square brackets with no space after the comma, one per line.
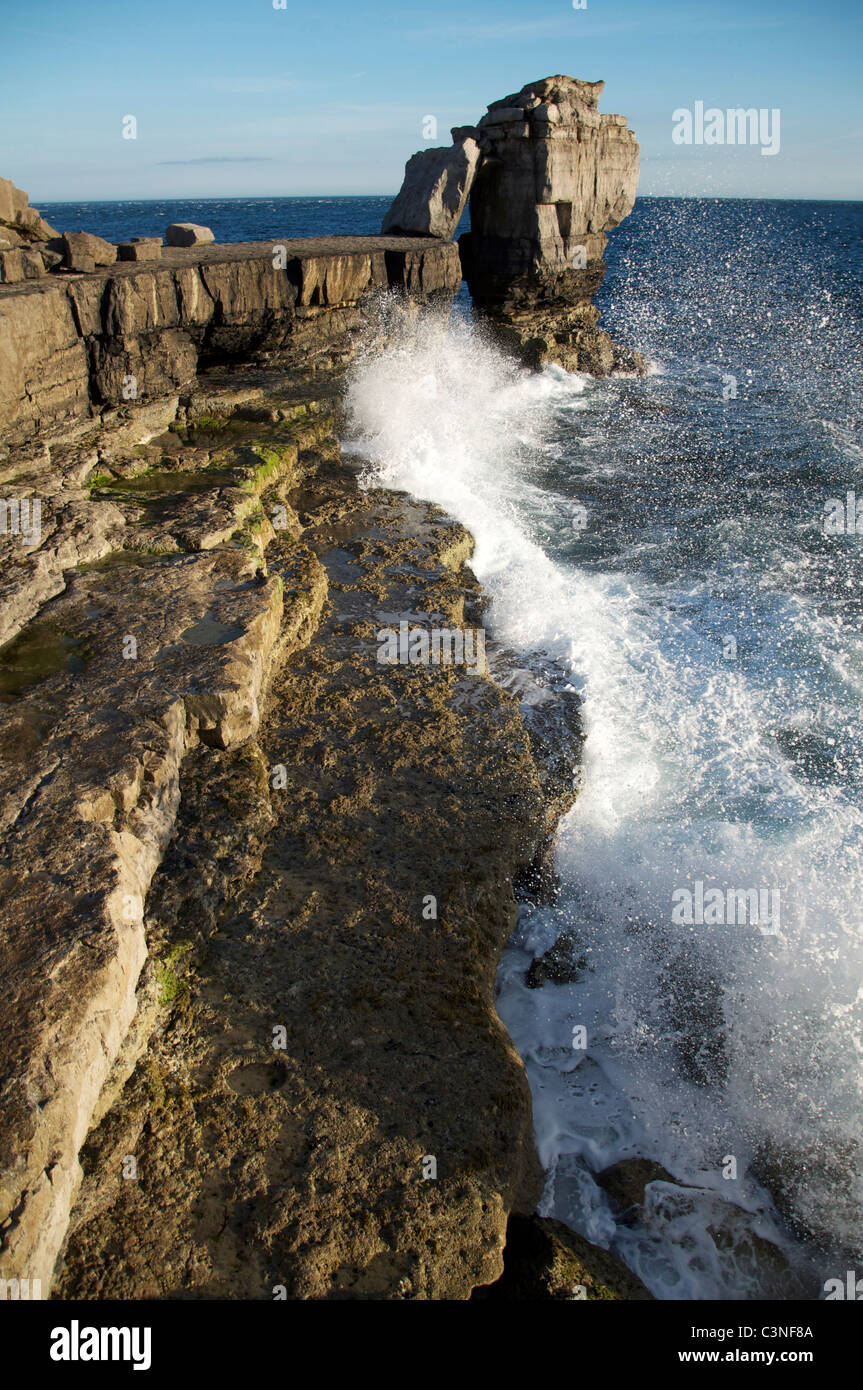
[545,1260]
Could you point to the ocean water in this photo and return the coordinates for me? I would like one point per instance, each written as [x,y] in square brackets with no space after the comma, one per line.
[230,219]
[662,541]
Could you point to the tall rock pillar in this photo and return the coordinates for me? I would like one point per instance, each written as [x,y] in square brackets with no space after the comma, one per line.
[554,177]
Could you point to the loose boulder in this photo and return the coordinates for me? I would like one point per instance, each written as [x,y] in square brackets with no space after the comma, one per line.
[140,248]
[20,263]
[31,221]
[83,251]
[435,191]
[188,234]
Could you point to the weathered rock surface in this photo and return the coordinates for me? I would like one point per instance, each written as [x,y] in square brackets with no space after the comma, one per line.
[234,831]
[20,263]
[188,234]
[114,762]
[555,176]
[133,333]
[224,820]
[141,657]
[435,191]
[88,793]
[300,1163]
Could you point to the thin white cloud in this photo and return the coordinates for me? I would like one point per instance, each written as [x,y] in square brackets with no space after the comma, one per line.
[257,86]
[222,159]
[92,41]
[578,26]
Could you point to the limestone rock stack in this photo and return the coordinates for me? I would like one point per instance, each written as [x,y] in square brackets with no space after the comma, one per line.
[554,178]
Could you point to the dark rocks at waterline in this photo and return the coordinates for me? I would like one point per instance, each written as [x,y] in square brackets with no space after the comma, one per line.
[544,1260]
[561,964]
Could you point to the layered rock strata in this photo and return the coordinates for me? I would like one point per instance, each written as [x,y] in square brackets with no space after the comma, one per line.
[555,177]
[256,883]
[162,644]
[286,1033]
[134,332]
[333,1035]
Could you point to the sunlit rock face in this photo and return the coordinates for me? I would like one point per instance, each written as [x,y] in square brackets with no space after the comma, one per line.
[555,176]
[435,191]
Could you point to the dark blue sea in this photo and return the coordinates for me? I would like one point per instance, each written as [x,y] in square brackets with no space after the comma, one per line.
[230,219]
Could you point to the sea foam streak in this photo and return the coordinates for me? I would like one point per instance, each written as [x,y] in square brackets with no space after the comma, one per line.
[704,1042]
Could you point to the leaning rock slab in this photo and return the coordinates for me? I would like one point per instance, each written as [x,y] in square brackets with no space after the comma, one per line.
[435,191]
[34,223]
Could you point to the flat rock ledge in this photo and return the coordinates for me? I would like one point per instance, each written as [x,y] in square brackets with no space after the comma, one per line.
[133,332]
[256,882]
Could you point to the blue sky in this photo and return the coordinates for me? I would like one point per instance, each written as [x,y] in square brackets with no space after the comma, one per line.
[235,97]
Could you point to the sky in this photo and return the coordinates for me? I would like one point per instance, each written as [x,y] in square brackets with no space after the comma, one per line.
[235,98]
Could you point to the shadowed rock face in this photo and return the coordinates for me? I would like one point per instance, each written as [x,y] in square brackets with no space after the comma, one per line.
[555,176]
